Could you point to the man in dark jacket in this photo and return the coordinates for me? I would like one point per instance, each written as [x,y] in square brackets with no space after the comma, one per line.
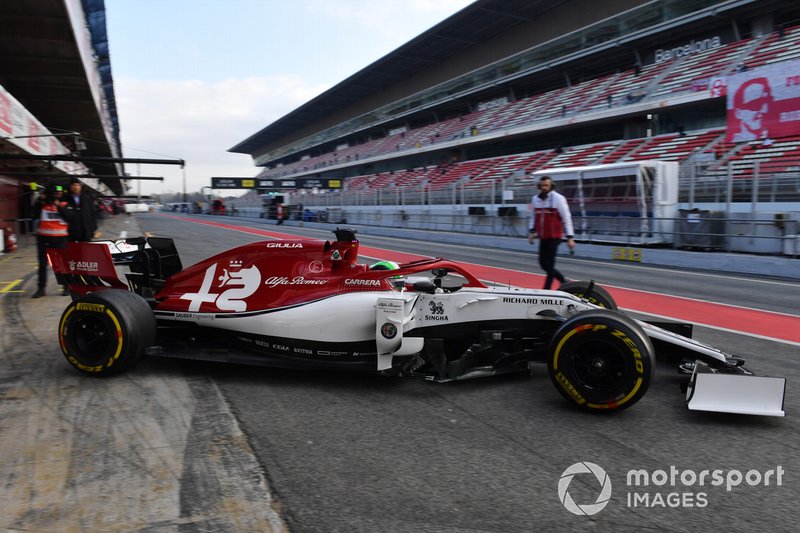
[83,222]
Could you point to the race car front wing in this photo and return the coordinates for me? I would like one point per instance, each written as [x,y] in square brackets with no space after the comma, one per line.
[742,393]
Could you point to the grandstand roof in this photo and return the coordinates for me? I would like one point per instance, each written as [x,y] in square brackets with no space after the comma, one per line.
[43,66]
[469,27]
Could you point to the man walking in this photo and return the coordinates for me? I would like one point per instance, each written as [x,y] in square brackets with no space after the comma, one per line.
[550,220]
[51,231]
[83,220]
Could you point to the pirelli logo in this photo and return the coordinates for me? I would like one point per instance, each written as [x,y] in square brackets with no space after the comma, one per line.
[92,308]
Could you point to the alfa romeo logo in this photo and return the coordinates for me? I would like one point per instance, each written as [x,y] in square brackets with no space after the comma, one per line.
[388,330]
[589,508]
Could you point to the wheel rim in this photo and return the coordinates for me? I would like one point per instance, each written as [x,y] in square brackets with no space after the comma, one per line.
[599,367]
[92,337]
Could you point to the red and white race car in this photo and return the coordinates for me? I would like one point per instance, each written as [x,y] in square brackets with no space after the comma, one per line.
[309,303]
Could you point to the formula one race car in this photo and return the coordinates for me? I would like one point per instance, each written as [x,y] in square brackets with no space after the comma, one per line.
[308,303]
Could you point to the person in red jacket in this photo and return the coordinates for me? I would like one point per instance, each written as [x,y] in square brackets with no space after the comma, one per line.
[551,221]
[52,230]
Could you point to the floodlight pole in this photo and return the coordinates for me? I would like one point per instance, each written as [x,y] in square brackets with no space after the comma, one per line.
[184,183]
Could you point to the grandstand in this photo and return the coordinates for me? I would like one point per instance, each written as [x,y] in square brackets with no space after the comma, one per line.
[465,113]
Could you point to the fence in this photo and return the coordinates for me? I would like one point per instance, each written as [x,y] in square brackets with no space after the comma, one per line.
[758,205]
[692,229]
[699,183]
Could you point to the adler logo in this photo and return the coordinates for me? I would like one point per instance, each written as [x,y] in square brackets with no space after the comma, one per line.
[363,282]
[90,266]
[284,245]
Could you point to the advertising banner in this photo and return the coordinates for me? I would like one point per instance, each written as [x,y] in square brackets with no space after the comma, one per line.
[20,128]
[300,183]
[6,115]
[764,103]
[233,183]
[267,184]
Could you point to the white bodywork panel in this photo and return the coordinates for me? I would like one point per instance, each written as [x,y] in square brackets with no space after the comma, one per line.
[733,393]
[387,317]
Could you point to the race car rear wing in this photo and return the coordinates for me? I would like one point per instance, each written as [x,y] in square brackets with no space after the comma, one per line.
[86,267]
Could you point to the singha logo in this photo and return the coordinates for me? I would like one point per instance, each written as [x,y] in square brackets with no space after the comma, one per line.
[437,308]
[437,312]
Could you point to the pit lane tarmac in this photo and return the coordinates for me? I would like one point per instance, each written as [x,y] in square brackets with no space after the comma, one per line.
[343,452]
[155,451]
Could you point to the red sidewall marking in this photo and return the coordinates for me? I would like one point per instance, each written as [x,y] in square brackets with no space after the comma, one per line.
[764,323]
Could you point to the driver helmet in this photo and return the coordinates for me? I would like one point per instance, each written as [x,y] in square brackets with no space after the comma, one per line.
[384,265]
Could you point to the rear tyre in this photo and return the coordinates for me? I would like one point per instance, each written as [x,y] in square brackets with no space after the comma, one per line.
[106,332]
[601,361]
[599,296]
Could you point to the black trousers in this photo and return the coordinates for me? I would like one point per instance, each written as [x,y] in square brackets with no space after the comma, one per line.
[43,242]
[547,260]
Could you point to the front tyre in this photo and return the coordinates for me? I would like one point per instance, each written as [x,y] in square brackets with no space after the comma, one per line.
[601,361]
[106,332]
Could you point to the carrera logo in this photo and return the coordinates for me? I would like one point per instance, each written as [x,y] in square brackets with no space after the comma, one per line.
[284,245]
[90,266]
[363,282]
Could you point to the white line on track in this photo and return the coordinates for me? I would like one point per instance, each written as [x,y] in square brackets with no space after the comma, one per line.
[587,260]
[621,265]
[700,324]
[606,284]
[727,330]
[658,293]
[754,335]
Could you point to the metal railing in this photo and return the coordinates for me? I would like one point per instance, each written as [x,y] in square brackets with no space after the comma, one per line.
[693,229]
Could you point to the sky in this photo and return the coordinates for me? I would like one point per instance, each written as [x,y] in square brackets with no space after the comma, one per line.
[192,78]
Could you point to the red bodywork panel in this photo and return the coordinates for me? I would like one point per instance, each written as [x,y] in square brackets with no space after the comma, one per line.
[253,277]
[85,266]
